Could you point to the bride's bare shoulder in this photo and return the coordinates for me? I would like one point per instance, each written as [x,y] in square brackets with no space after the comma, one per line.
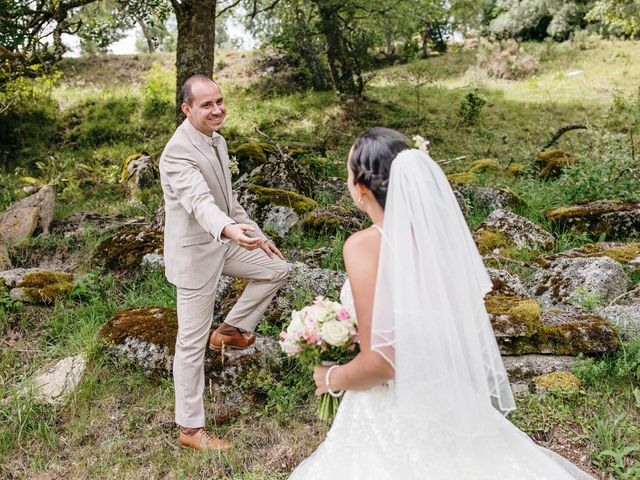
[363,243]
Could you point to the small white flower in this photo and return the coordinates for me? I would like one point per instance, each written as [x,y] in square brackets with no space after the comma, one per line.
[421,143]
[233,165]
[335,333]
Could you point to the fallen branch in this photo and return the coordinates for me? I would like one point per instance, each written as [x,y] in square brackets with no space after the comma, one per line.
[562,131]
[451,160]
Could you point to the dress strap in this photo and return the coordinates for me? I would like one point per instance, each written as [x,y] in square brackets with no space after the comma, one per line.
[378,228]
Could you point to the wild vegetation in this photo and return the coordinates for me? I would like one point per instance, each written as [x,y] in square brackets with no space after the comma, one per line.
[74,129]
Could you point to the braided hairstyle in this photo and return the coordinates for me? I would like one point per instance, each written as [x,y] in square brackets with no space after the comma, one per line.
[371,158]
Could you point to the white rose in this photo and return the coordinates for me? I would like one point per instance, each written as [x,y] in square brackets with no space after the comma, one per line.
[335,333]
[296,323]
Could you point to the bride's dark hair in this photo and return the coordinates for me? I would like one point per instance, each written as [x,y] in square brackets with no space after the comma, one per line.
[371,158]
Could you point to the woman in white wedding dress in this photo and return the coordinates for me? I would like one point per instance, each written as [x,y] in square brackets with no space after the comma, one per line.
[427,394]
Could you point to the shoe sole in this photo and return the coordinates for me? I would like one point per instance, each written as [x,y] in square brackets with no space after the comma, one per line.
[232,347]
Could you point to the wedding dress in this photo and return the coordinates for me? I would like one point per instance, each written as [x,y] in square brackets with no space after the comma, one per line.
[442,418]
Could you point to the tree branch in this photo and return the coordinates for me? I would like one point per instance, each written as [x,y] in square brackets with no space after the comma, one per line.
[562,131]
[227,8]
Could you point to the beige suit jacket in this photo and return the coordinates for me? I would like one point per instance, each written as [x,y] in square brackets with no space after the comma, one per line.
[199,203]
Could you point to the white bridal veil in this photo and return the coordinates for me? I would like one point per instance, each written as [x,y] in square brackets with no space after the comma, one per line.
[430,323]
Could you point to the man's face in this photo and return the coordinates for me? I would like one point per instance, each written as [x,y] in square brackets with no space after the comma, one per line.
[207,111]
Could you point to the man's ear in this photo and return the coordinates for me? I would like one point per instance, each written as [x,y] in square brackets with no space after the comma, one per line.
[185,108]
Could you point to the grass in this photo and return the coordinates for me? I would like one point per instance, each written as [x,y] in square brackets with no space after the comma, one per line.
[119,423]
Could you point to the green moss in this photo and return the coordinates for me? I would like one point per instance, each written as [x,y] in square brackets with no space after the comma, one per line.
[558,383]
[490,239]
[624,254]
[588,334]
[521,314]
[251,153]
[590,209]
[46,287]
[151,324]
[275,196]
[125,249]
[551,162]
[516,169]
[483,165]
[463,177]
[124,173]
[331,220]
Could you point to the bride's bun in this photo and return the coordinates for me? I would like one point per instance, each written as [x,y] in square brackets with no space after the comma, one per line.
[371,158]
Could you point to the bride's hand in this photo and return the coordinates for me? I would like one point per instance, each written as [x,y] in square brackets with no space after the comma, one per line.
[319,374]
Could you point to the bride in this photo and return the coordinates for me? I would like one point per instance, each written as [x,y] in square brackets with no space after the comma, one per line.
[427,394]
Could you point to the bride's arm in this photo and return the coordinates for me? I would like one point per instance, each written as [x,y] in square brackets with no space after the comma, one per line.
[368,368]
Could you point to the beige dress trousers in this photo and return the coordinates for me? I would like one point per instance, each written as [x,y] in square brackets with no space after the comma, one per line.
[199,203]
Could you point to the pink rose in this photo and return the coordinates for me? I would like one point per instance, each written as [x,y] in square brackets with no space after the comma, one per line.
[343,314]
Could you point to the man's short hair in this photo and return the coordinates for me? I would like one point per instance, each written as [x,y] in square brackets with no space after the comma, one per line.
[186,96]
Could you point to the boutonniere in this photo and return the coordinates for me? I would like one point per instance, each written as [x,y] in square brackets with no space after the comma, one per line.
[215,141]
[233,165]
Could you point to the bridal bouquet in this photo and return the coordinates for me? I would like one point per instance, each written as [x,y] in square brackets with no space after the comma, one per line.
[321,333]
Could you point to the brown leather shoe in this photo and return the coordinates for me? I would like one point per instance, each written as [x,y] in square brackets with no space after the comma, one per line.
[203,440]
[238,341]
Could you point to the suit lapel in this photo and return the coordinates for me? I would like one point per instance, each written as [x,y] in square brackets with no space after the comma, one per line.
[207,152]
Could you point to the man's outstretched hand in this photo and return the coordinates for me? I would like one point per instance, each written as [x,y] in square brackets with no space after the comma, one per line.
[271,250]
[236,232]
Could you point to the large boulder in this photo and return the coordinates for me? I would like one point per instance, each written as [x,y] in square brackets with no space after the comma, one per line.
[125,250]
[333,219]
[522,328]
[506,284]
[138,171]
[616,219]
[503,229]
[147,336]
[5,260]
[626,316]
[486,198]
[55,384]
[522,368]
[251,155]
[570,281]
[34,285]
[302,286]
[275,209]
[281,173]
[626,253]
[26,217]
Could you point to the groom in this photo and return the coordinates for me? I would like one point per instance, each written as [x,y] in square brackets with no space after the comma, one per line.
[208,233]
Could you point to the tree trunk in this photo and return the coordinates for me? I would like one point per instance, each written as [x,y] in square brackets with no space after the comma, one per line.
[310,54]
[425,39]
[337,55]
[147,35]
[196,42]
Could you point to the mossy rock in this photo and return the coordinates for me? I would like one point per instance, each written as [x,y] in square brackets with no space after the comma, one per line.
[556,383]
[331,220]
[616,219]
[45,287]
[490,239]
[552,162]
[124,250]
[462,177]
[484,165]
[273,196]
[624,253]
[124,172]
[250,155]
[513,316]
[565,332]
[156,325]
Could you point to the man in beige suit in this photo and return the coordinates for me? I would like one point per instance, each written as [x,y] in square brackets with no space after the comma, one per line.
[208,233]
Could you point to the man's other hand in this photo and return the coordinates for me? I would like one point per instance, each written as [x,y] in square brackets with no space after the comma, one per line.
[237,232]
[271,250]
